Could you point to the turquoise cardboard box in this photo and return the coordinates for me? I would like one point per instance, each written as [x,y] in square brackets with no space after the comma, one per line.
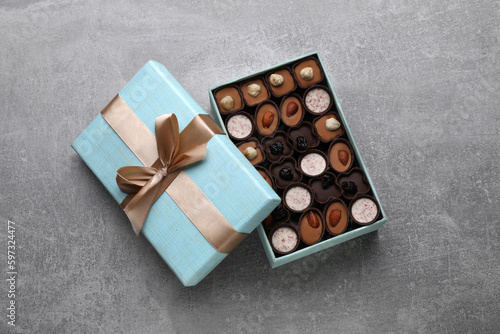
[327,241]
[225,177]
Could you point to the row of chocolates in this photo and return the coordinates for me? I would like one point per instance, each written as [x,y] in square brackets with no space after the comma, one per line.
[286,125]
[269,118]
[285,237]
[324,187]
[277,83]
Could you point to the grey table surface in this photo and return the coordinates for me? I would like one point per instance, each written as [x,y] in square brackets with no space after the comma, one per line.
[419,85]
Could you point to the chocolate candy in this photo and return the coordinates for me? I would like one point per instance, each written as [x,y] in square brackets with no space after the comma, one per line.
[276,148]
[357,177]
[284,239]
[279,214]
[327,180]
[349,187]
[286,174]
[364,210]
[298,197]
[301,143]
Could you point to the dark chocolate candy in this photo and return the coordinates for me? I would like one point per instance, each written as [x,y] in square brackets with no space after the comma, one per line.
[327,180]
[276,148]
[349,187]
[301,143]
[286,174]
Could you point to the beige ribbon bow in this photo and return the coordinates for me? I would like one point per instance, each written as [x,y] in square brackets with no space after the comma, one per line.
[176,151]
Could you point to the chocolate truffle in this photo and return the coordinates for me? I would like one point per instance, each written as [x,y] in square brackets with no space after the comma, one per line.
[267,118]
[304,130]
[239,126]
[246,149]
[285,173]
[317,100]
[288,83]
[277,146]
[234,94]
[325,187]
[247,95]
[284,240]
[291,109]
[364,210]
[322,130]
[336,217]
[316,71]
[341,157]
[297,197]
[356,177]
[313,164]
[311,227]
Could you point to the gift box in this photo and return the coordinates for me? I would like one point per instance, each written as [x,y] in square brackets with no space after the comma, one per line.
[264,98]
[209,207]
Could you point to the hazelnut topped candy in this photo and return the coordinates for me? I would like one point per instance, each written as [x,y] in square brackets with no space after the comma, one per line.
[228,99]
[281,82]
[276,80]
[328,127]
[307,72]
[251,150]
[254,92]
[267,118]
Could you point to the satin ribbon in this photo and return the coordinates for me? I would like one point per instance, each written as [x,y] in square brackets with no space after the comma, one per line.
[166,155]
[175,152]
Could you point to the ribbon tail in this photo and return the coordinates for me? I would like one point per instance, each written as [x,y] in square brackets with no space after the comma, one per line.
[137,208]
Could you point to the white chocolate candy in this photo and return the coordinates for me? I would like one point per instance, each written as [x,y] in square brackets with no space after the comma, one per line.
[298,198]
[284,239]
[239,126]
[313,164]
[317,100]
[364,210]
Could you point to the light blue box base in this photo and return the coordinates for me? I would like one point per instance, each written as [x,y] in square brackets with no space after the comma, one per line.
[281,260]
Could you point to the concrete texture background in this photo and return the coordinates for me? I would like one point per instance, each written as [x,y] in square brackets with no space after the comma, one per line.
[419,85]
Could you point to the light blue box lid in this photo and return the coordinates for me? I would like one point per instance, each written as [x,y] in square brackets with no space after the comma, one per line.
[225,176]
